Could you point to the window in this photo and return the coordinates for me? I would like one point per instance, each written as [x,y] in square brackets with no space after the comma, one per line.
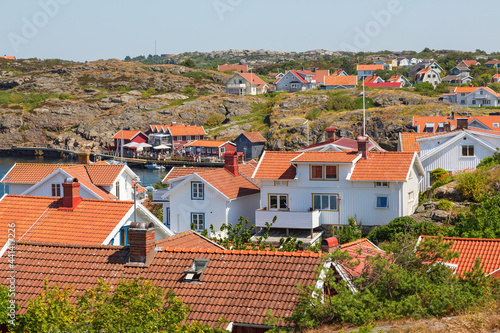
[468,150]
[410,196]
[124,236]
[382,202]
[222,150]
[167,217]
[280,183]
[495,124]
[325,201]
[381,184]
[462,94]
[197,191]
[56,190]
[331,172]
[473,101]
[196,270]
[316,172]
[462,102]
[278,201]
[197,137]
[198,220]
[203,149]
[327,172]
[117,186]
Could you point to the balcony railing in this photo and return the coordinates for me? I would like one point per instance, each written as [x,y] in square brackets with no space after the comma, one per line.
[236,86]
[288,219]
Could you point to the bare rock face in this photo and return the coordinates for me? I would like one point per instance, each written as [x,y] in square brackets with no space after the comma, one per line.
[237,107]
[449,192]
[301,101]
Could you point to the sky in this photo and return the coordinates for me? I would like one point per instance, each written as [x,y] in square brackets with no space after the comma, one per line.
[86,30]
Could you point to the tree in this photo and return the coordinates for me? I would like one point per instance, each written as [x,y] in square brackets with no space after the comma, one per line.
[127,58]
[188,63]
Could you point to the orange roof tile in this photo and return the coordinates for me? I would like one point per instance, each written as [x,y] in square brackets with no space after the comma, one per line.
[254,136]
[371,79]
[206,143]
[394,78]
[341,80]
[178,129]
[39,219]
[253,79]
[470,249]
[231,186]
[369,67]
[127,135]
[470,62]
[239,68]
[409,143]
[29,173]
[188,240]
[420,122]
[383,166]
[103,175]
[238,285]
[321,74]
[276,165]
[360,250]
[327,157]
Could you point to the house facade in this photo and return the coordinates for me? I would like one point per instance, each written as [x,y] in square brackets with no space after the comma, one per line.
[127,137]
[309,190]
[428,75]
[210,148]
[367,70]
[251,144]
[295,80]
[476,97]
[400,78]
[340,82]
[174,136]
[246,84]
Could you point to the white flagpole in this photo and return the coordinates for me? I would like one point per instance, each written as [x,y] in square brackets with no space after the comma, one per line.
[364,108]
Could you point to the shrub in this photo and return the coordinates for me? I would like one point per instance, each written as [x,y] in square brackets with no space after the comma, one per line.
[349,233]
[340,102]
[440,177]
[483,221]
[490,161]
[189,90]
[423,87]
[188,63]
[313,114]
[215,120]
[471,185]
[444,204]
[388,232]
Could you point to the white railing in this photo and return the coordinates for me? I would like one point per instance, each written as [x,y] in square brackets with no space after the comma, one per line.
[288,219]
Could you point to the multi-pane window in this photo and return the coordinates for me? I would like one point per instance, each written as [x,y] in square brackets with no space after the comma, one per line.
[327,172]
[411,196]
[468,150]
[198,220]
[197,191]
[316,172]
[124,236]
[117,187]
[330,172]
[382,202]
[381,184]
[56,190]
[278,201]
[325,201]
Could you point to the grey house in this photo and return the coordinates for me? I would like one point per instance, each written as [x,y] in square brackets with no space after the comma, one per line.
[296,81]
[251,144]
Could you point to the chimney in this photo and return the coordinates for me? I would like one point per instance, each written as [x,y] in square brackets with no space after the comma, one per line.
[363,146]
[462,123]
[452,115]
[83,158]
[71,190]
[330,133]
[471,85]
[329,244]
[141,237]
[447,127]
[231,162]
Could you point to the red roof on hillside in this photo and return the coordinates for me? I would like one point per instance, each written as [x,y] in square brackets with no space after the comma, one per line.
[253,79]
[276,165]
[383,166]
[254,137]
[320,74]
[188,240]
[239,68]
[341,80]
[470,62]
[127,135]
[369,67]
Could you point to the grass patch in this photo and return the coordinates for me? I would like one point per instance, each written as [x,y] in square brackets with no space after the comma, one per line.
[28,101]
[197,75]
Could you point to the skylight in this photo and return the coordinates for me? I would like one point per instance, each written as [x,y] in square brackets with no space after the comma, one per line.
[196,270]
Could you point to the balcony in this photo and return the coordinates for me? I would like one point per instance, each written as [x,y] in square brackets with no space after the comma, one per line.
[236,86]
[158,195]
[478,96]
[288,219]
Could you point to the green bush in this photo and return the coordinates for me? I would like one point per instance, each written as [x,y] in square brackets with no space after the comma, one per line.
[349,233]
[189,90]
[313,114]
[188,63]
[423,86]
[440,177]
[483,221]
[444,204]
[215,120]
[490,161]
[471,185]
[340,102]
[389,232]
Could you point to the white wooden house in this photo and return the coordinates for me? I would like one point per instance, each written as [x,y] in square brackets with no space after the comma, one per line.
[308,190]
[476,97]
[246,84]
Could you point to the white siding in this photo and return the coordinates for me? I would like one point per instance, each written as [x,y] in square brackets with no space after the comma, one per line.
[141,217]
[244,206]
[18,188]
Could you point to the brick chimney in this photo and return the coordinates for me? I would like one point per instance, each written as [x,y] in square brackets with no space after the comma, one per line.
[71,190]
[462,123]
[231,162]
[330,133]
[83,158]
[141,237]
[363,146]
[329,244]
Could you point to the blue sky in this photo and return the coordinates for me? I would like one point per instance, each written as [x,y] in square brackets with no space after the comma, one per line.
[89,29]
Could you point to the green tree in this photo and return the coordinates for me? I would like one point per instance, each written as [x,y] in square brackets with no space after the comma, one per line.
[483,221]
[188,63]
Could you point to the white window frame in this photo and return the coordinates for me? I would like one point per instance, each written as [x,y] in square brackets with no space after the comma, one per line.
[56,190]
[278,201]
[328,195]
[382,184]
[381,196]
[411,196]
[197,191]
[195,218]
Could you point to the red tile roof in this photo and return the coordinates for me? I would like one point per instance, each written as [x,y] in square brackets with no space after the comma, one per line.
[327,157]
[369,67]
[276,165]
[39,219]
[181,130]
[384,84]
[103,175]
[188,240]
[8,57]
[383,166]
[488,121]
[238,68]
[177,172]
[239,285]
[206,143]
[360,250]
[394,78]
[409,143]
[341,80]
[254,137]
[253,79]
[231,186]
[338,72]
[371,79]
[492,62]
[321,74]
[470,62]
[470,249]
[127,135]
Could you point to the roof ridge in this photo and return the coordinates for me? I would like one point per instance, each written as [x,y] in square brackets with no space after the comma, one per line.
[461,238]
[55,244]
[308,254]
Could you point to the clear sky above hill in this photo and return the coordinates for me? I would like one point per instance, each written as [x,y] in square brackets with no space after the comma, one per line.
[91,29]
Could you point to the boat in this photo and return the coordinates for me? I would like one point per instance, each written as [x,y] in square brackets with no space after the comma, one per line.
[154,166]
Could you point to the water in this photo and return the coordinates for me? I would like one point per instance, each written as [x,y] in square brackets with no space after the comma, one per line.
[148,177]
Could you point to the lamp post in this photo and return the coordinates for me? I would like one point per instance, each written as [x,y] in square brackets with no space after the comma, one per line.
[136,181]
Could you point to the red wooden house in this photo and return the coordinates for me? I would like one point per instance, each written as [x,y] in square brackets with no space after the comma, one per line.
[129,136]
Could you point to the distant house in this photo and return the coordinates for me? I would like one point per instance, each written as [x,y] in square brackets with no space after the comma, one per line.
[476,96]
[461,70]
[339,72]
[367,70]
[403,62]
[340,82]
[320,75]
[210,148]
[174,136]
[495,78]
[233,68]
[492,63]
[127,137]
[436,124]
[373,79]
[210,196]
[469,63]
[251,144]
[295,80]
[457,79]
[246,84]
[8,57]
[428,75]
[429,64]
[400,78]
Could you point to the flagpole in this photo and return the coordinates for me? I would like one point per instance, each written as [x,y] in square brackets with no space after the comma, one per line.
[364,108]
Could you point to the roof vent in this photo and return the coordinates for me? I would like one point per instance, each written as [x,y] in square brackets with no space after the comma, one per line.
[196,270]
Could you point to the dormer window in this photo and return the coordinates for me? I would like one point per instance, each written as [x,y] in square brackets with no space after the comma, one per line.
[196,270]
[324,172]
[56,190]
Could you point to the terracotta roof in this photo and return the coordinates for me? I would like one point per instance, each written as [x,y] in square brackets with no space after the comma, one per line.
[80,173]
[384,84]
[383,166]
[254,136]
[206,143]
[469,90]
[89,223]
[369,67]
[127,135]
[321,74]
[253,79]
[296,73]
[492,62]
[327,157]
[177,172]
[231,186]
[341,80]
[470,62]
[394,78]
[276,165]
[103,175]
[8,57]
[239,285]
[470,249]
[409,143]
[188,240]
[360,250]
[239,68]
[181,130]
[29,173]
[424,70]
[488,121]
[372,79]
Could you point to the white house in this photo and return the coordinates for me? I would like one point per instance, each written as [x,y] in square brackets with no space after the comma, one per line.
[99,180]
[456,151]
[209,196]
[476,96]
[246,84]
[428,75]
[309,190]
[400,78]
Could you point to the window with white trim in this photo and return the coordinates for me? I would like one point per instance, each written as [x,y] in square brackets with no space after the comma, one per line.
[325,202]
[381,184]
[467,150]
[382,201]
[278,201]
[198,221]
[411,196]
[197,191]
[280,183]
[56,190]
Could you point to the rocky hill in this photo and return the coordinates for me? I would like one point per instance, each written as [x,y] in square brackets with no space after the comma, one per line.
[81,105]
